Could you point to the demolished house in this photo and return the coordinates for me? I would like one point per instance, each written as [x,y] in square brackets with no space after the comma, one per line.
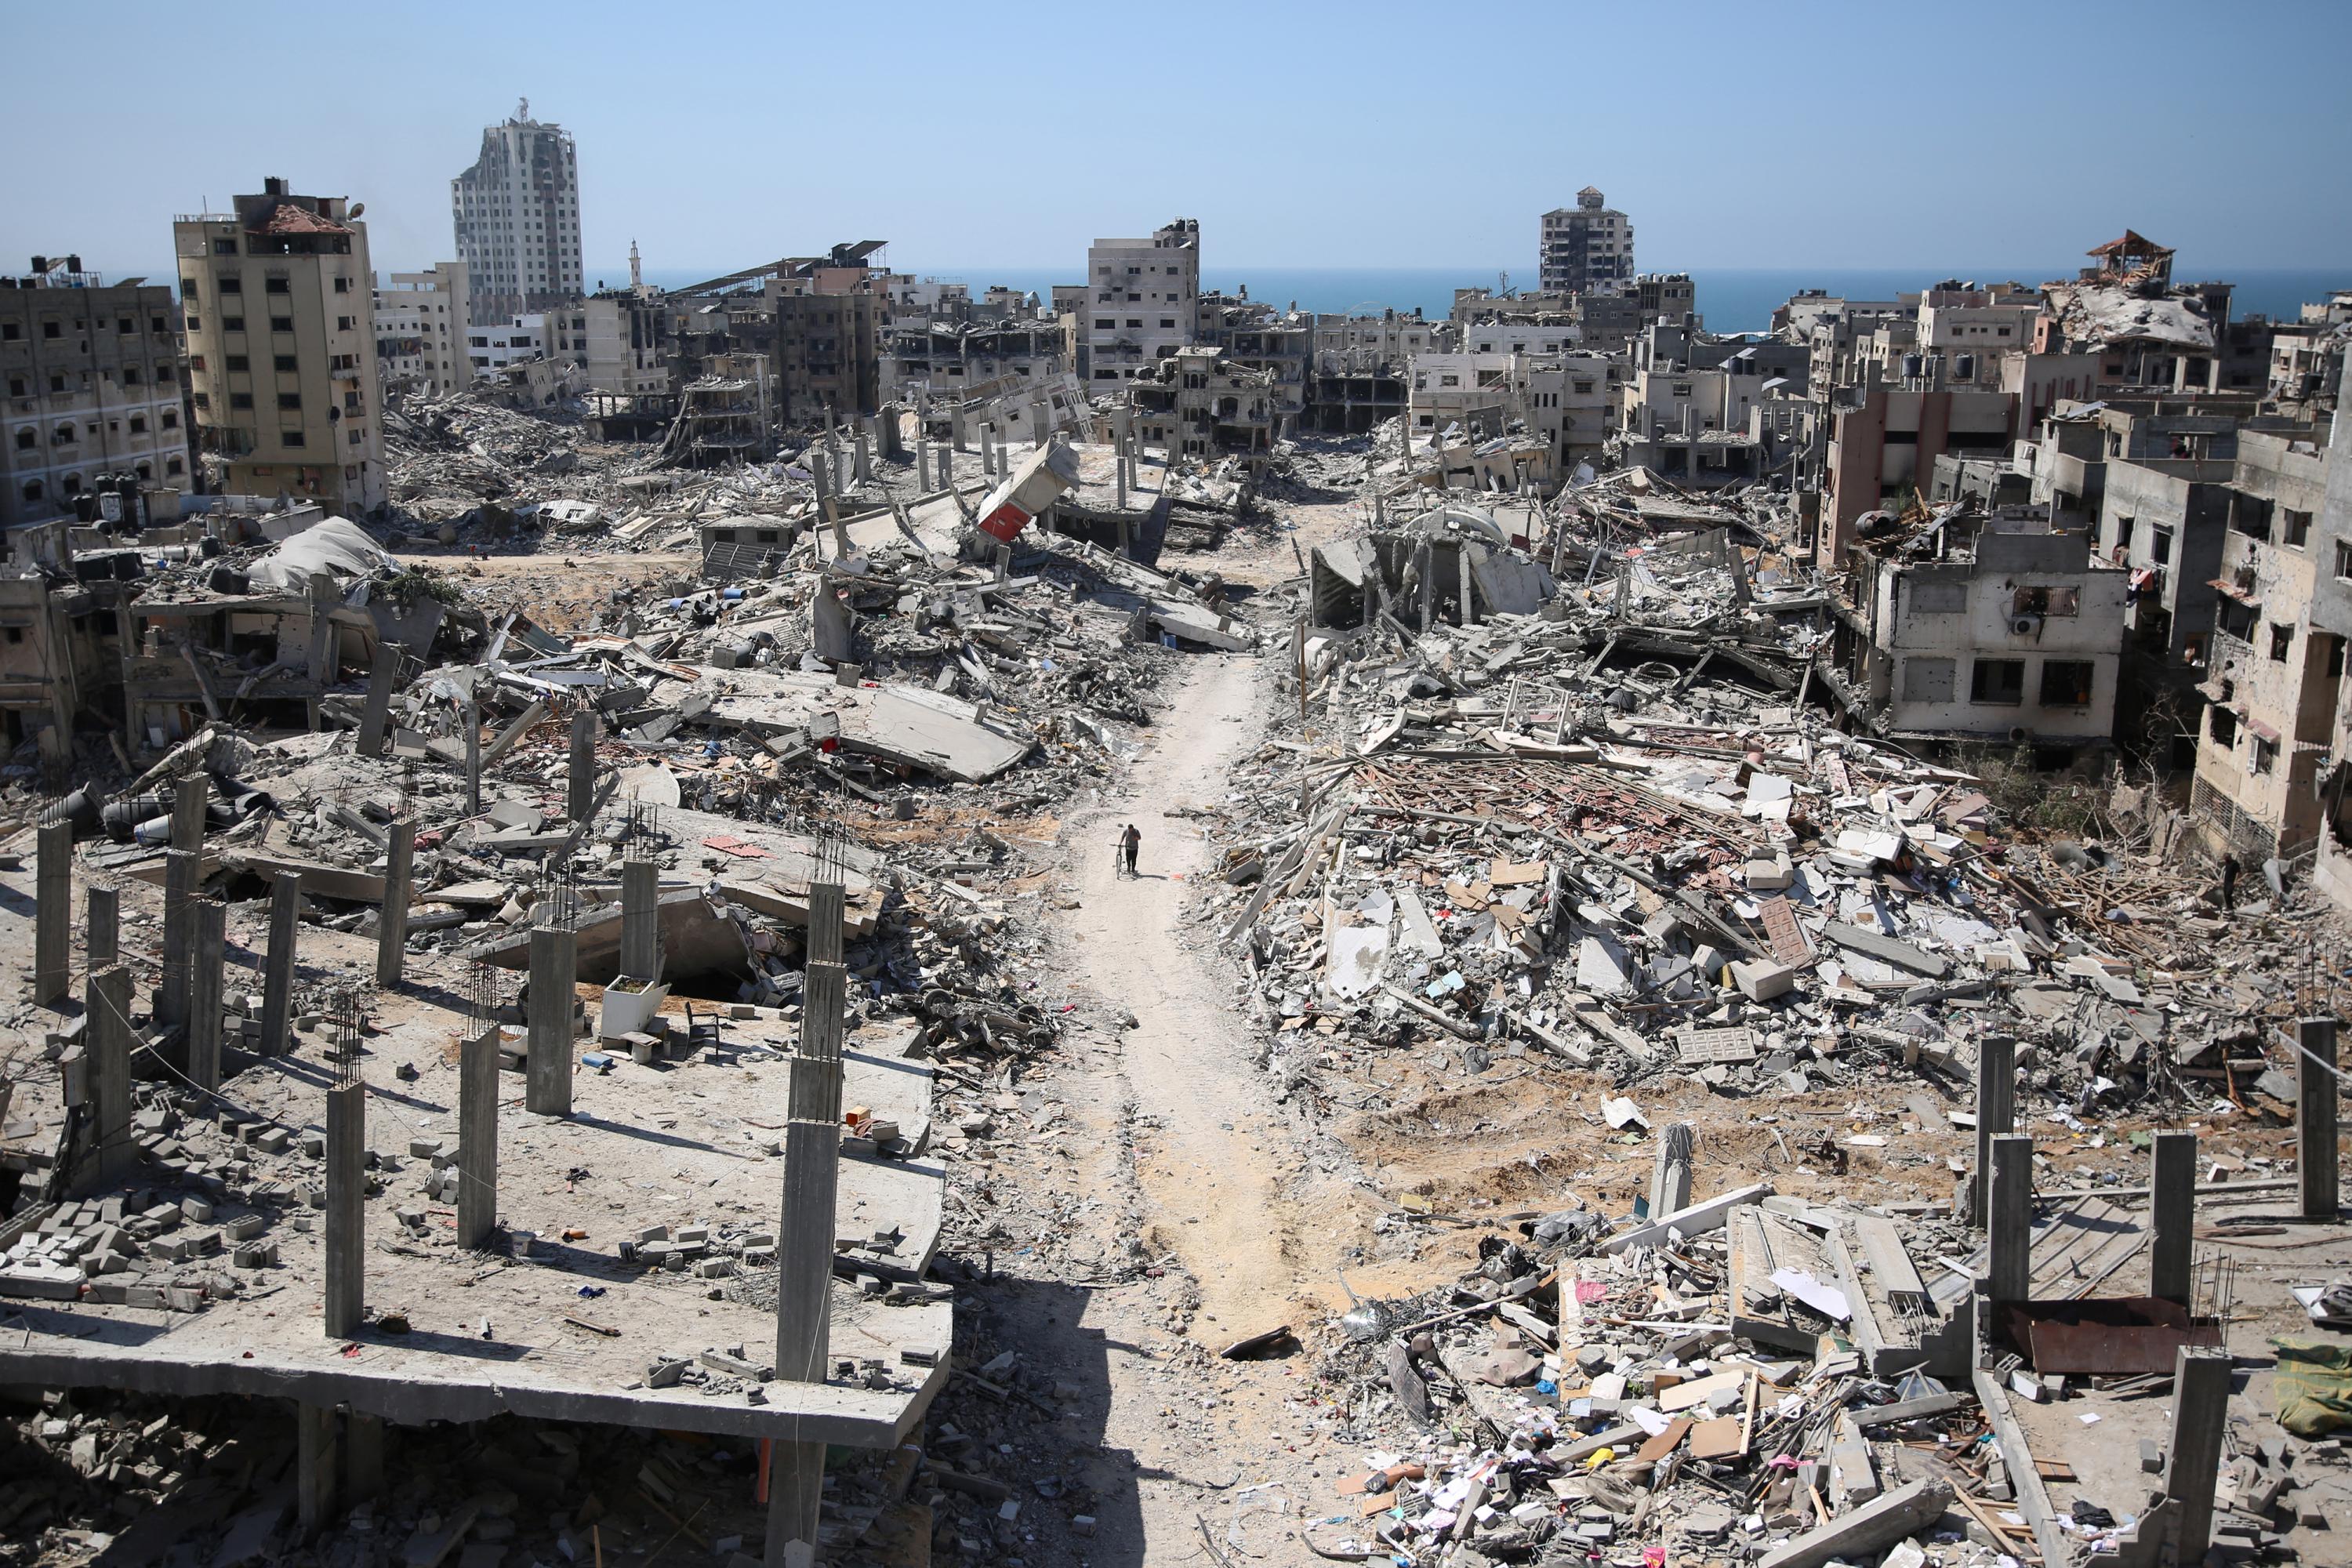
[1617,837]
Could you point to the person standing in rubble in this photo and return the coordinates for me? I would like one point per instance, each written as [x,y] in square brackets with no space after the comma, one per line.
[1130,844]
[2229,881]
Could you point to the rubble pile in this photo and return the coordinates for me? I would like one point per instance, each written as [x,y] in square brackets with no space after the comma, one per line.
[89,1473]
[1592,1385]
[470,470]
[1612,831]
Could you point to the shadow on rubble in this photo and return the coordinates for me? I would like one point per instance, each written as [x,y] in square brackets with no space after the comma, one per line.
[630,1129]
[320,1076]
[120,1333]
[1053,1404]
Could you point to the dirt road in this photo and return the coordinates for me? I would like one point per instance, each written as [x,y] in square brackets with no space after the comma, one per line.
[1213,1188]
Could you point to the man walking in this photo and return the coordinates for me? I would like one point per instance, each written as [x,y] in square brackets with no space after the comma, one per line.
[1129,844]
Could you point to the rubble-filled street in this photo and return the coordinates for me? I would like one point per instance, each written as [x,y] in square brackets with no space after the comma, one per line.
[1407,1029]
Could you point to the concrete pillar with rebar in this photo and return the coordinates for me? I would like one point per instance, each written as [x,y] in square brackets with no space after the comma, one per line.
[478,1115]
[392,918]
[805,1236]
[1996,1114]
[346,1183]
[2200,1417]
[207,957]
[554,1003]
[52,912]
[278,975]
[2317,1092]
[641,938]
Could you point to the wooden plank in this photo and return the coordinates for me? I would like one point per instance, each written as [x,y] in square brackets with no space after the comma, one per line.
[1698,1390]
[1665,1442]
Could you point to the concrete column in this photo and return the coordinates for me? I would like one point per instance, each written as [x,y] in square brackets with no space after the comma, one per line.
[478,1138]
[805,1236]
[113,1153]
[956,414]
[179,902]
[947,468]
[1670,1179]
[278,975]
[346,1180]
[206,959]
[1996,1112]
[583,795]
[555,977]
[392,923]
[325,643]
[473,756]
[2173,1223]
[104,941]
[376,715]
[1002,554]
[2316,1090]
[863,456]
[2192,1464]
[922,466]
[641,943]
[52,913]
[2009,1270]
[189,795]
[362,1457]
[795,1487]
[316,1467]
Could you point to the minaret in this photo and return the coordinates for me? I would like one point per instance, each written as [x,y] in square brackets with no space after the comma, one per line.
[636,270]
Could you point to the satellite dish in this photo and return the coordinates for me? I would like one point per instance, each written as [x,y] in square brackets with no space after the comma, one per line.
[358,207]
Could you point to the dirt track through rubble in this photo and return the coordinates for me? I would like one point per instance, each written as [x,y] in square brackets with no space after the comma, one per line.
[1212,1184]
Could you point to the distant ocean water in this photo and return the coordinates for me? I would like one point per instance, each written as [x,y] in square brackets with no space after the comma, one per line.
[1733,300]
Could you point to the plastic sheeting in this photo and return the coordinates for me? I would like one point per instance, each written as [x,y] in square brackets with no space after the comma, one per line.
[337,546]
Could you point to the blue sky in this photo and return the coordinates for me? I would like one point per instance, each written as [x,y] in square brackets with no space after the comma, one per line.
[1006,136]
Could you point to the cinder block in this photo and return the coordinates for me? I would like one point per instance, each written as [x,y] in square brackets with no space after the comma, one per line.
[1760,982]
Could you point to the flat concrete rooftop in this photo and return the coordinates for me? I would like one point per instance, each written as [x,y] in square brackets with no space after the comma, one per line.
[689,1144]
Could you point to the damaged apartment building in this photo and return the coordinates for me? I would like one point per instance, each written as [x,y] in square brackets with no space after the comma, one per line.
[2264,782]
[278,306]
[1982,628]
[1198,402]
[94,376]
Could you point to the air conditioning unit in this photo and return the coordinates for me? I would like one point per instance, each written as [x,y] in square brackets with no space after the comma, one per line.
[2025,625]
